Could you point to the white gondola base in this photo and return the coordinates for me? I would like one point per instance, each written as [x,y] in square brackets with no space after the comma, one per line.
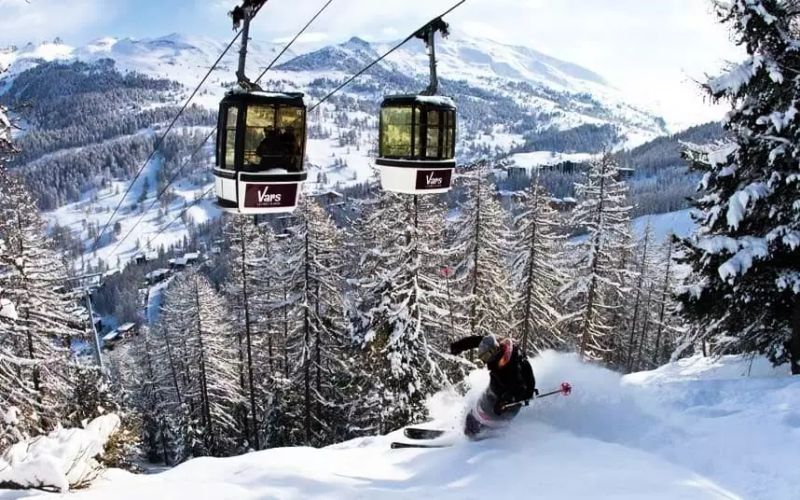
[410,180]
[255,198]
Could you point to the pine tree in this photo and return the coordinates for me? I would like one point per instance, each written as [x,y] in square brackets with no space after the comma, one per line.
[743,294]
[443,310]
[393,304]
[10,432]
[6,147]
[667,323]
[35,367]
[196,318]
[159,430]
[482,273]
[537,275]
[622,302]
[595,285]
[250,291]
[318,340]
[641,290]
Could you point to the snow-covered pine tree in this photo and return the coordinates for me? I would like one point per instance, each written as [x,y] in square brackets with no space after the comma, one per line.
[10,425]
[250,289]
[6,147]
[667,325]
[34,374]
[443,309]
[744,290]
[594,287]
[538,277]
[116,392]
[171,378]
[10,432]
[658,326]
[197,317]
[360,239]
[483,239]
[402,363]
[620,305]
[318,338]
[282,423]
[92,394]
[159,429]
[641,289]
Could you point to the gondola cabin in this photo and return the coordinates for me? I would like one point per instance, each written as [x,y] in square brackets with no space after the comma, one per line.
[261,140]
[416,152]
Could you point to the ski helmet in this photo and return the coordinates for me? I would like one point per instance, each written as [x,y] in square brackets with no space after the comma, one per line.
[489,349]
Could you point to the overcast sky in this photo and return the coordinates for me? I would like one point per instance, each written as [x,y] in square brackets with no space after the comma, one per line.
[652,50]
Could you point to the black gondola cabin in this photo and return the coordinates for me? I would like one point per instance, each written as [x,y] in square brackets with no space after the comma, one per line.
[416,152]
[261,140]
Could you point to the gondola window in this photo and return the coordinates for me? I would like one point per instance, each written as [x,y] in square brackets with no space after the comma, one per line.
[396,133]
[260,129]
[230,138]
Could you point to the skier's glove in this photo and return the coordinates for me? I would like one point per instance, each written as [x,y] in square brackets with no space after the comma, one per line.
[500,408]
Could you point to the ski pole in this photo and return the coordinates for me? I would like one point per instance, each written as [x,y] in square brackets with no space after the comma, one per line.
[565,389]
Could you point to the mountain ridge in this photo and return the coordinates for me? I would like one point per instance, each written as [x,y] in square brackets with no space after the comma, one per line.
[461,56]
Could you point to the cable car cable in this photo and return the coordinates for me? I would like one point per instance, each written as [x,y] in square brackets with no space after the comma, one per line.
[167,131]
[384,56]
[181,214]
[163,190]
[214,130]
[328,96]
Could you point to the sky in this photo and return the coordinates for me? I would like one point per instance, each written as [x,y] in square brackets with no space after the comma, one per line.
[654,51]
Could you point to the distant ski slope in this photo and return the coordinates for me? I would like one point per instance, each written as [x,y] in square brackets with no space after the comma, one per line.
[696,429]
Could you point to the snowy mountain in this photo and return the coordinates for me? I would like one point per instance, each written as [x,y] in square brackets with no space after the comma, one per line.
[507,95]
[695,429]
[543,85]
[492,65]
[180,57]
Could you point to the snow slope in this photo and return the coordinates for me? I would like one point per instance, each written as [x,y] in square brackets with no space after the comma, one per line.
[97,206]
[698,428]
[663,226]
[536,159]
[63,458]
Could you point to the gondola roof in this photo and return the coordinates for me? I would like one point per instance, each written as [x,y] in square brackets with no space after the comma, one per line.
[438,101]
[260,96]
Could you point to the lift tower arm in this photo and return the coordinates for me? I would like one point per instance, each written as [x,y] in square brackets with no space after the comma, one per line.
[242,16]
[428,35]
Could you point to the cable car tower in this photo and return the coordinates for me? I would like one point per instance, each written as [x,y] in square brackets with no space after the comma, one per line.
[416,150]
[261,140]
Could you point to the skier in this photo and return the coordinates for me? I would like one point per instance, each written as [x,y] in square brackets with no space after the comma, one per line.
[512,383]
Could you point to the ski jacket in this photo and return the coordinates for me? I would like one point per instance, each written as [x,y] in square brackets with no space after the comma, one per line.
[511,376]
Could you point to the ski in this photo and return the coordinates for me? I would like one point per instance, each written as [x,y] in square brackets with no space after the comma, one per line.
[417,433]
[397,445]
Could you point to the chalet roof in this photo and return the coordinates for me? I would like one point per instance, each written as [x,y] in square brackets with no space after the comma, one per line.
[111,336]
[157,273]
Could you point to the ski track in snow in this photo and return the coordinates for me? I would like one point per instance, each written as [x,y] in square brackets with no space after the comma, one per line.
[698,428]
